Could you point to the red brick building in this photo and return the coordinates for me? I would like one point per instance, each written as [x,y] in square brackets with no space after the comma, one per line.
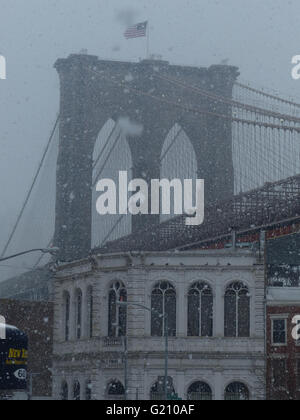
[283,351]
[36,320]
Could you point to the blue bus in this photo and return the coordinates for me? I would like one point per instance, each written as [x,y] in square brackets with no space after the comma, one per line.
[13,360]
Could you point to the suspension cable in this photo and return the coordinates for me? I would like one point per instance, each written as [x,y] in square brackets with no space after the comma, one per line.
[31,188]
[234,103]
[267,95]
[188,108]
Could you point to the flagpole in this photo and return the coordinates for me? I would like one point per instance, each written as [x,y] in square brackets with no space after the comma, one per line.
[148,41]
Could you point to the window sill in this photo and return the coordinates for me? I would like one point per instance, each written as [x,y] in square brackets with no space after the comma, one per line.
[279,345]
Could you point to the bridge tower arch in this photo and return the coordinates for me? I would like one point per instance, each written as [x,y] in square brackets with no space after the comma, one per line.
[93,90]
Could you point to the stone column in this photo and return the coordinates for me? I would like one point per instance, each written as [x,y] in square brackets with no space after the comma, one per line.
[181,310]
[219,312]
[70,389]
[82,382]
[72,322]
[98,383]
[136,293]
[181,384]
[85,313]
[218,386]
[56,390]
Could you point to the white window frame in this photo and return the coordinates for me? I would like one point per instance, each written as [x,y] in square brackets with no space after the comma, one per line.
[279,317]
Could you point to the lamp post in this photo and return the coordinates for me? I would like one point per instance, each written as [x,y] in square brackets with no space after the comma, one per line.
[43,250]
[166,334]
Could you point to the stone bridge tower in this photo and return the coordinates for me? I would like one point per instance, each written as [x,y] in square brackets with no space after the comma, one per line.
[93,90]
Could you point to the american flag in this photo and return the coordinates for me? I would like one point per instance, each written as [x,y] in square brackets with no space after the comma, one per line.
[137,31]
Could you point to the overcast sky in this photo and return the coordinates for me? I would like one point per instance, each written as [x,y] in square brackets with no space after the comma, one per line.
[258,36]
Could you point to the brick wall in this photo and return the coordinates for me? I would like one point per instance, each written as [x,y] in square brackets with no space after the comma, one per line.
[288,354]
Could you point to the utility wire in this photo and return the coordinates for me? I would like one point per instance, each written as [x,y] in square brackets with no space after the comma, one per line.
[42,256]
[31,189]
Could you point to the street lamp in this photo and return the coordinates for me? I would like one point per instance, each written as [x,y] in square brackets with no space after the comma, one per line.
[51,251]
[166,334]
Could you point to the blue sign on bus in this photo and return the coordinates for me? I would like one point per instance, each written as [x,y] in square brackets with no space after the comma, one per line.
[13,360]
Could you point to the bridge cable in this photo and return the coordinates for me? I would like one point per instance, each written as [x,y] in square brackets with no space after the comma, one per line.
[236,104]
[106,159]
[105,146]
[268,95]
[31,188]
[188,108]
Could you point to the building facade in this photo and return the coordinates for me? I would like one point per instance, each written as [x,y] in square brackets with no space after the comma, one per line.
[283,351]
[215,304]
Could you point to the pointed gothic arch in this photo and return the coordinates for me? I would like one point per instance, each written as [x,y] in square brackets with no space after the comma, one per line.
[111,154]
[178,159]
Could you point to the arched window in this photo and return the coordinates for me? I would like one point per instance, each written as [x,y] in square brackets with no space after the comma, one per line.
[90,313]
[66,310]
[76,391]
[178,161]
[157,392]
[117,319]
[115,391]
[237,392]
[237,311]
[64,391]
[199,391]
[88,391]
[78,313]
[163,304]
[200,311]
